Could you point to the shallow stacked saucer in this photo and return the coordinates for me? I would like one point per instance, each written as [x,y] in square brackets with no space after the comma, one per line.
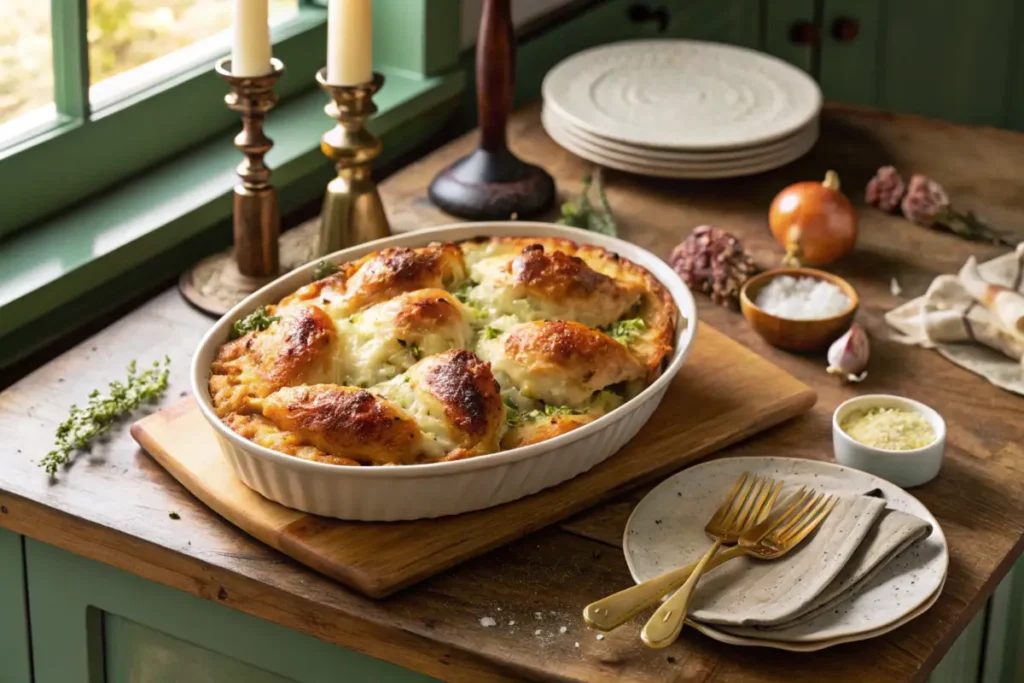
[681,108]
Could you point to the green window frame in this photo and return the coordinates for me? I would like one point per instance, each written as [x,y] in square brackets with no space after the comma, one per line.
[86,152]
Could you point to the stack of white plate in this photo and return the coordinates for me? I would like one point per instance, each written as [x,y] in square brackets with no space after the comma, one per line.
[681,108]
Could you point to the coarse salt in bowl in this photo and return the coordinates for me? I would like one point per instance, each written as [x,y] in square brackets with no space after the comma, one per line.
[802,298]
[805,310]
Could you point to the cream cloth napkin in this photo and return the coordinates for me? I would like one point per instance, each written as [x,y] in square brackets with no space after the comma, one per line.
[749,592]
[973,319]
[894,532]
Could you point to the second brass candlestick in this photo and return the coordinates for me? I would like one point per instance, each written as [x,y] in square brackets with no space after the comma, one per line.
[219,282]
[353,212]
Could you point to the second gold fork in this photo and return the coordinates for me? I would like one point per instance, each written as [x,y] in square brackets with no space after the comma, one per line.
[749,501]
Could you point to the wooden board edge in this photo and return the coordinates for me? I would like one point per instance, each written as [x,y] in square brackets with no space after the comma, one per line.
[145,440]
[794,405]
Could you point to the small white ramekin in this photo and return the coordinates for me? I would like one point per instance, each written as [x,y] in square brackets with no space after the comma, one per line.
[903,468]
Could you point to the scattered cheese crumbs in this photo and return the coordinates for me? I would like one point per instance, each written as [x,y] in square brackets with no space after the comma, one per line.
[512,623]
[499,609]
[894,287]
[538,615]
[802,298]
[563,629]
[487,622]
[891,429]
[576,644]
[600,636]
[537,632]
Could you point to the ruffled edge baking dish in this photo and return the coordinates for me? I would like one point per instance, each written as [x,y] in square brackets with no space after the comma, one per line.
[444,488]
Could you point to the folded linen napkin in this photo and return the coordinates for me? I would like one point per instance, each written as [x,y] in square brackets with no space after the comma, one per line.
[750,592]
[894,532]
[973,319]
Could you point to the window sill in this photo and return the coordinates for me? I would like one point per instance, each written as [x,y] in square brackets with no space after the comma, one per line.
[51,265]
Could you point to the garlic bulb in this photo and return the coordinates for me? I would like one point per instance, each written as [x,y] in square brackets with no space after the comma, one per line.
[848,355]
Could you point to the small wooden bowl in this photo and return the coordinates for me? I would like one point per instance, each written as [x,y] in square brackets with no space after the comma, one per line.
[796,335]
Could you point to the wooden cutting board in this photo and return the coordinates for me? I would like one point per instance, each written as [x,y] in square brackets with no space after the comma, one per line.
[723,394]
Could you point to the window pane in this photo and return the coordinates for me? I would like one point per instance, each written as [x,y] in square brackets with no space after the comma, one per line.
[26,62]
[163,36]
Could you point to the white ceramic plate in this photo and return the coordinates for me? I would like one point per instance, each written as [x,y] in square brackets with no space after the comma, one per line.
[690,171]
[794,147]
[441,488]
[682,94]
[812,646]
[666,530]
[550,116]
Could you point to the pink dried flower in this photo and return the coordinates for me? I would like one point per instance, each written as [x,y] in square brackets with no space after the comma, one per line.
[713,261]
[885,189]
[926,203]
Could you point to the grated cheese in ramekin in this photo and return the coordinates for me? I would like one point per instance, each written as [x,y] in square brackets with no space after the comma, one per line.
[891,429]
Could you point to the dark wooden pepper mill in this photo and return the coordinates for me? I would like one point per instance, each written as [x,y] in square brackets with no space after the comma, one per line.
[492,183]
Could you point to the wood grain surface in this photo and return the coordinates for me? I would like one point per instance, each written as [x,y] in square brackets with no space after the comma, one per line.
[113,504]
[723,394]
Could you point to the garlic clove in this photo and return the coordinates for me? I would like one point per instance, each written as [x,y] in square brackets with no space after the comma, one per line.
[848,355]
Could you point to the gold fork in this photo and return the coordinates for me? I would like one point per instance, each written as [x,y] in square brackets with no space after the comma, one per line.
[768,540]
[748,503]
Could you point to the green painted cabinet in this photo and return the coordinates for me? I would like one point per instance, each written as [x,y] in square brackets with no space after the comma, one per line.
[91,623]
[15,657]
[959,61]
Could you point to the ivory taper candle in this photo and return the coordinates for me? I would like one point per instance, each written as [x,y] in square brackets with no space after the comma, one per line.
[349,42]
[250,47]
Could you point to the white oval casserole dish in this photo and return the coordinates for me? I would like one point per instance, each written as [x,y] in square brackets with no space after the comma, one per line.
[445,488]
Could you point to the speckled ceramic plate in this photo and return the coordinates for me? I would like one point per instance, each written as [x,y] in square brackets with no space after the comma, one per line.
[666,530]
[690,170]
[682,94]
[550,118]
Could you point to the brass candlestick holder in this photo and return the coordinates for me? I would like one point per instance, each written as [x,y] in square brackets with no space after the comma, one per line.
[353,212]
[219,282]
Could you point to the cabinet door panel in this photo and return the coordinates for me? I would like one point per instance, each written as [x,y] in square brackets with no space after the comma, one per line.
[786,24]
[948,59]
[14,653]
[849,63]
[736,22]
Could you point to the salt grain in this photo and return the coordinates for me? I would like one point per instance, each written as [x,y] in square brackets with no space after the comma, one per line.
[600,636]
[802,298]
[511,623]
[487,622]
[563,629]
[576,644]
[538,615]
[894,287]
[537,632]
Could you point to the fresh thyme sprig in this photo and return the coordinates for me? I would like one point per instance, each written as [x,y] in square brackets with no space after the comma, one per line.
[260,319]
[324,269]
[85,424]
[581,213]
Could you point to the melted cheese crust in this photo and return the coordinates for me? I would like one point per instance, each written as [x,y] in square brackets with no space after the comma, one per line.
[560,363]
[375,364]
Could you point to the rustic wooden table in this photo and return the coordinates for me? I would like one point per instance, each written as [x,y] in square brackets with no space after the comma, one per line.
[113,505]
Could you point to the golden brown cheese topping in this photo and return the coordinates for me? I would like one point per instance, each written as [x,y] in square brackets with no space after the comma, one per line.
[298,349]
[447,351]
[383,275]
[345,422]
[551,285]
[560,363]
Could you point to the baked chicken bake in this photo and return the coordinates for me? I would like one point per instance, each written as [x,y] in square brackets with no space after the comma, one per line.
[445,352]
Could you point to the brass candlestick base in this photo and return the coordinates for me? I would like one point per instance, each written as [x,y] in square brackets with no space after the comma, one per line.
[353,212]
[219,282]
